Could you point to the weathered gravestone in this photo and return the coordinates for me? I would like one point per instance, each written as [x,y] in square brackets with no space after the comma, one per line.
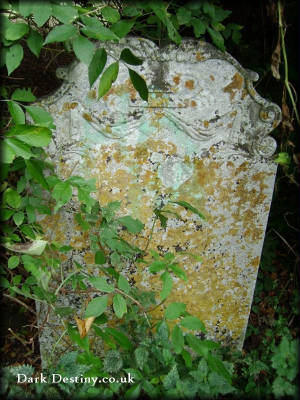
[201,138]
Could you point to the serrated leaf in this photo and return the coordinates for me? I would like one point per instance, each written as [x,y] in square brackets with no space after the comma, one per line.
[101,284]
[13,57]
[84,49]
[33,135]
[178,271]
[40,116]
[12,198]
[139,84]
[15,31]
[110,14]
[130,58]
[167,285]
[25,95]
[35,42]
[132,225]
[13,262]
[123,284]
[188,206]
[96,307]
[174,310]
[122,28]
[107,79]
[64,13]
[119,305]
[177,339]
[199,27]
[97,64]
[18,218]
[35,170]
[60,33]
[28,231]
[16,112]
[141,356]
[218,366]
[194,323]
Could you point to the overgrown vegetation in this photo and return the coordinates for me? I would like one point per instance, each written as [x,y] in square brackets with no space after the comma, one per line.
[152,352]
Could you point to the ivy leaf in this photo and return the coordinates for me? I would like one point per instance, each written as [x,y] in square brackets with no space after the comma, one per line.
[97,64]
[101,284]
[174,310]
[130,58]
[60,33]
[167,285]
[139,84]
[119,305]
[217,38]
[188,206]
[107,79]
[15,31]
[84,49]
[16,112]
[194,323]
[110,14]
[35,42]
[13,57]
[132,225]
[35,170]
[123,284]
[33,135]
[122,28]
[96,307]
[24,95]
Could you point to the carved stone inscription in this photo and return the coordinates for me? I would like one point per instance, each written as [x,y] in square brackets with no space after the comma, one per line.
[202,138]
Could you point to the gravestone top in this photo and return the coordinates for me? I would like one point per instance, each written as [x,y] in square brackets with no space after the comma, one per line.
[203,137]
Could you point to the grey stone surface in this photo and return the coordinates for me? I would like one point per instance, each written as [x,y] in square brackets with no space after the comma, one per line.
[203,137]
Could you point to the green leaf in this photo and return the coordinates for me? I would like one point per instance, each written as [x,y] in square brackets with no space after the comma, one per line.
[161,12]
[107,79]
[18,218]
[119,305]
[133,392]
[163,220]
[167,285]
[60,34]
[13,262]
[157,266]
[94,29]
[84,49]
[33,135]
[35,170]
[108,212]
[12,198]
[110,14]
[131,11]
[100,257]
[64,13]
[209,9]
[62,193]
[141,356]
[13,147]
[187,358]
[122,28]
[13,57]
[15,31]
[217,38]
[174,310]
[130,58]
[97,64]
[35,42]
[25,95]
[5,214]
[121,339]
[139,84]
[132,225]
[25,8]
[101,284]
[40,116]
[96,307]
[28,231]
[217,365]
[194,323]
[30,211]
[21,185]
[177,339]
[188,206]
[183,15]
[41,12]
[123,284]
[85,226]
[199,27]
[16,112]
[75,338]
[178,271]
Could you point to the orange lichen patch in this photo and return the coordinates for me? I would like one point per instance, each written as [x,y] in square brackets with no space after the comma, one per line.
[193,103]
[264,115]
[108,129]
[212,77]
[87,117]
[92,94]
[69,106]
[244,93]
[199,56]
[234,85]
[206,124]
[54,228]
[189,84]
[229,125]
[121,89]
[176,79]
[89,258]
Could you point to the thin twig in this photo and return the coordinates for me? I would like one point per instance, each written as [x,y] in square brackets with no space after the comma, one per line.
[284,241]
[20,302]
